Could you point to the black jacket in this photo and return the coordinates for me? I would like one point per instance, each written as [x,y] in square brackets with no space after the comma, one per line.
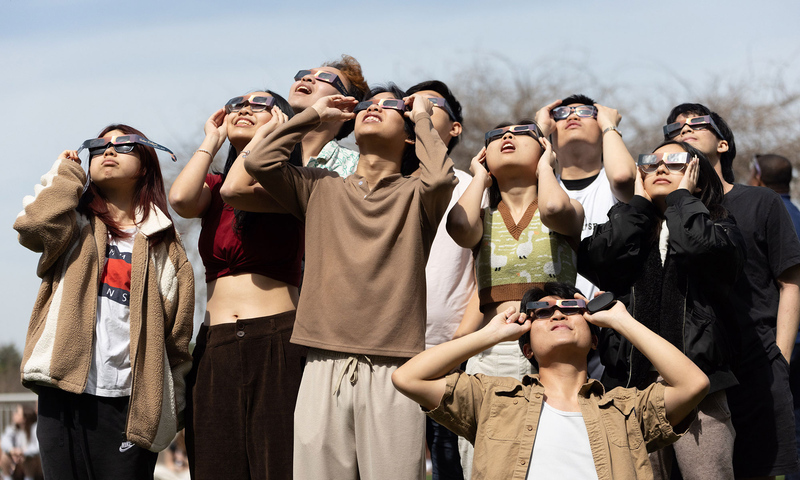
[684,301]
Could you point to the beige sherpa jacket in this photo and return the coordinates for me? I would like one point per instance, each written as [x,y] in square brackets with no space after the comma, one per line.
[58,349]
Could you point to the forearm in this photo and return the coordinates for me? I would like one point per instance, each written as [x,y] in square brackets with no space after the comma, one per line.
[268,154]
[557,211]
[464,222]
[243,192]
[187,190]
[788,310]
[422,378]
[620,166]
[687,384]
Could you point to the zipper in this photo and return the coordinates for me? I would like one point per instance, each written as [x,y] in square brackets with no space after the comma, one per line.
[630,356]
[138,334]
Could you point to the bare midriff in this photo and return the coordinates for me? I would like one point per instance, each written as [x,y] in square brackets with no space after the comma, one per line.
[247,295]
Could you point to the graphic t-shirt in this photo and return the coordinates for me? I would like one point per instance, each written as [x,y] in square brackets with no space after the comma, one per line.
[110,371]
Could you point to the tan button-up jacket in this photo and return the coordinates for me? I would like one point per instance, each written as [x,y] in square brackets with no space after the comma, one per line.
[500,415]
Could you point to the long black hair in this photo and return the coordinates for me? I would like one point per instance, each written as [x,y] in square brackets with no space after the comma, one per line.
[296,158]
[711,192]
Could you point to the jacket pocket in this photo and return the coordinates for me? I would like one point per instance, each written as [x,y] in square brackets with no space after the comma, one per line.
[705,340]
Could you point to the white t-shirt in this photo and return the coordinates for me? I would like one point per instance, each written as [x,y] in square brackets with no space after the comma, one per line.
[561,448]
[110,371]
[449,275]
[597,199]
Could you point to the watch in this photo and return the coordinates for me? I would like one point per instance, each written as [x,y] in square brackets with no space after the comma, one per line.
[614,129]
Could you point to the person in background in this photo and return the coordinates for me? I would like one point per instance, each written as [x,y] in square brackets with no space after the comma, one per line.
[775,172]
[766,300]
[19,458]
[320,146]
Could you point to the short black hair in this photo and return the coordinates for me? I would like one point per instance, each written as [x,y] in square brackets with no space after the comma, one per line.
[410,162]
[549,289]
[442,89]
[698,109]
[578,98]
[776,171]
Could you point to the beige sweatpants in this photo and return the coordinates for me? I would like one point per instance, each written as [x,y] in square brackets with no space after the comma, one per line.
[351,423]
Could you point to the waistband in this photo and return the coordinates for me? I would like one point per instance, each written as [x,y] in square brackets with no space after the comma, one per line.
[249,327]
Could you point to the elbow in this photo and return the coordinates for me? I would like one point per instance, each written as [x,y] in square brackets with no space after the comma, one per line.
[182,205]
[400,380]
[229,193]
[700,388]
[552,208]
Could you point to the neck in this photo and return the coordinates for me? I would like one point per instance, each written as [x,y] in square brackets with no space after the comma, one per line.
[562,382]
[579,160]
[120,207]
[517,192]
[379,159]
[714,159]
[314,141]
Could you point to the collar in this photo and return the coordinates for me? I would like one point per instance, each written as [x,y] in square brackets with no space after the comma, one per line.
[156,222]
[592,386]
[329,151]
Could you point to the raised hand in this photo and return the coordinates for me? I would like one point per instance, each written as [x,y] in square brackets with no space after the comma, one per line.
[690,176]
[544,118]
[70,155]
[278,118]
[478,168]
[335,108]
[548,158]
[607,117]
[638,187]
[609,318]
[508,325]
[419,105]
[216,129]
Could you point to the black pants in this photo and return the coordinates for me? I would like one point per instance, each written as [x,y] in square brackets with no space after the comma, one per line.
[82,437]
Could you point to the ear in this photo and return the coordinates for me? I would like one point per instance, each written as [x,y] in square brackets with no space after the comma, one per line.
[722,146]
[526,350]
[455,130]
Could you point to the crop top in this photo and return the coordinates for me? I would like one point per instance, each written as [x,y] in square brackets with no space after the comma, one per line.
[271,245]
[513,258]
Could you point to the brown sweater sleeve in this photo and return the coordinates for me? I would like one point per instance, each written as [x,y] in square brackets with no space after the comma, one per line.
[437,178]
[48,220]
[289,185]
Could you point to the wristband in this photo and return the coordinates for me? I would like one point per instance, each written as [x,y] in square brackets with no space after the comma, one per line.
[204,151]
[615,129]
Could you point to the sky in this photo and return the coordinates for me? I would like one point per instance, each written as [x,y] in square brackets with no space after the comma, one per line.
[71,68]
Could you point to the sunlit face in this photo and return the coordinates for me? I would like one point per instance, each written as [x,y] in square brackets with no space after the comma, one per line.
[575,128]
[115,170]
[243,124]
[513,150]
[378,121]
[702,139]
[304,92]
[559,330]
[663,181]
[442,122]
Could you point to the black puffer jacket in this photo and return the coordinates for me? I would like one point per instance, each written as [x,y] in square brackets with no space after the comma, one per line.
[685,300]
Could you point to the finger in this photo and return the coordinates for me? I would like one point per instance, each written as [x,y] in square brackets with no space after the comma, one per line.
[553,105]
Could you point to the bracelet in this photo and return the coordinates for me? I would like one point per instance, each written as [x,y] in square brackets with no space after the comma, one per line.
[204,151]
[244,154]
[615,129]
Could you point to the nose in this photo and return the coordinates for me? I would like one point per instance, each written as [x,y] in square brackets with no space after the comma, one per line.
[507,136]
[109,150]
[246,106]
[685,129]
[573,113]
[662,168]
[558,314]
[374,108]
